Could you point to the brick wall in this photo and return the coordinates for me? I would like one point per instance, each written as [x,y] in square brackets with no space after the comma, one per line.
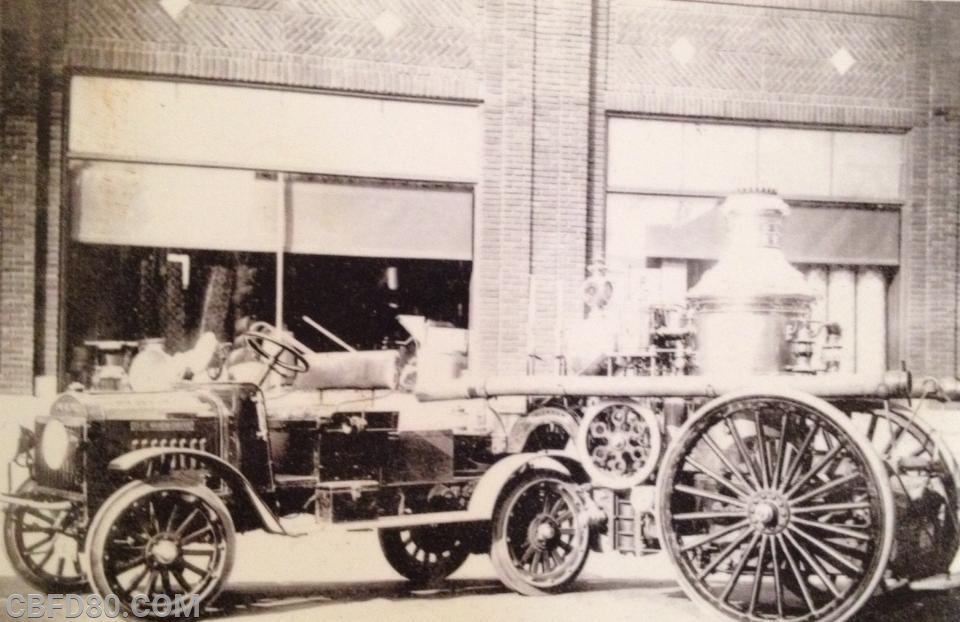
[548,73]
[560,151]
[51,243]
[932,214]
[501,282]
[18,175]
[754,62]
[424,48]
[532,208]
[597,159]
[749,60]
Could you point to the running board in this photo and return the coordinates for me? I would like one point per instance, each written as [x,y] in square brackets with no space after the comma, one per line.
[414,520]
[936,583]
[386,522]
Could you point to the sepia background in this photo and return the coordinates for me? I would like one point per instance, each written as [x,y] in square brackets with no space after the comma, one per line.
[169,167]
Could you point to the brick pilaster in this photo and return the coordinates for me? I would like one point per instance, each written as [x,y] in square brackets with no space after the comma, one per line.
[597,158]
[562,66]
[932,214]
[501,284]
[18,192]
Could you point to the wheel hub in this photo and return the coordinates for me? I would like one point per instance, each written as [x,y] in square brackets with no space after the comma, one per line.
[768,512]
[765,513]
[543,531]
[163,550]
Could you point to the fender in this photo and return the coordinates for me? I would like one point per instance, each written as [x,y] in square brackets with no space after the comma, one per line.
[234,478]
[484,499]
[521,430]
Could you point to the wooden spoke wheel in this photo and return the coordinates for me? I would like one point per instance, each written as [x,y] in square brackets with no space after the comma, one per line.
[44,545]
[924,476]
[795,525]
[425,555]
[158,538]
[540,534]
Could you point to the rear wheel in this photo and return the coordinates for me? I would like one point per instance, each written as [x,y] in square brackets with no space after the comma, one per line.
[164,538]
[425,555]
[540,534]
[924,476]
[795,525]
[44,545]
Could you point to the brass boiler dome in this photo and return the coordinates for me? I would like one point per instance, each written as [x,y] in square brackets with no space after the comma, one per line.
[743,305]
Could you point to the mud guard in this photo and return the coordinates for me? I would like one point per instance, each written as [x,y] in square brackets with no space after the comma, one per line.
[484,499]
[546,415]
[234,478]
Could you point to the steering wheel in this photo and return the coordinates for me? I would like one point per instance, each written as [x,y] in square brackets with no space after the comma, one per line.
[256,339]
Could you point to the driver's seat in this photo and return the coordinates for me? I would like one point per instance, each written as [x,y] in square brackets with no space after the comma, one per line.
[365,369]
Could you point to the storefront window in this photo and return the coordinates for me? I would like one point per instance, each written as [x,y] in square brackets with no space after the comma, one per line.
[170,252]
[662,231]
[358,298]
[126,294]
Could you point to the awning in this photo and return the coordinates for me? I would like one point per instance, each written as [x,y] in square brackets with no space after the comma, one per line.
[832,234]
[221,209]
[380,221]
[173,207]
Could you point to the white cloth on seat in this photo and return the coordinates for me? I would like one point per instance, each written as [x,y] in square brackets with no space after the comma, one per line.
[370,369]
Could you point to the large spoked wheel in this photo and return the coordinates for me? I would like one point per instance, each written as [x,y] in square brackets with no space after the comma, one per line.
[914,455]
[540,534]
[44,545]
[167,538]
[773,507]
[425,555]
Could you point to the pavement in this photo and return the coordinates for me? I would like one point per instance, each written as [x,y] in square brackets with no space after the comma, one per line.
[343,576]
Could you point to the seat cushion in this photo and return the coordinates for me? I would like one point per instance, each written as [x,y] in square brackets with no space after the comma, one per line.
[369,369]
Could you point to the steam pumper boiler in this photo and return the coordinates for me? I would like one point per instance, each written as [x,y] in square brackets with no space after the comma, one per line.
[779,486]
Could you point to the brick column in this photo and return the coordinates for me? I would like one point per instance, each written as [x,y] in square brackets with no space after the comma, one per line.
[18,186]
[597,174]
[50,159]
[562,67]
[500,287]
[532,203]
[932,216]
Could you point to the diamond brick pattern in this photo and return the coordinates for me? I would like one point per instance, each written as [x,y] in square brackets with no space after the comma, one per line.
[174,7]
[755,53]
[304,41]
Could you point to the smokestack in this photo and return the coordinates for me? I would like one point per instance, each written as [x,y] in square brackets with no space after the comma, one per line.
[742,305]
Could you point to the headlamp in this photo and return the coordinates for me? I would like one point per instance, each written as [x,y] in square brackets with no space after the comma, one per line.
[54,444]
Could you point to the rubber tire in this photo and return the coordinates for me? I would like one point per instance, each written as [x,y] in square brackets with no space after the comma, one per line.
[11,522]
[400,560]
[119,501]
[499,552]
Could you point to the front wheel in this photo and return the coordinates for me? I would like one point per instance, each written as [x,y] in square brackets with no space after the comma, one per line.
[541,536]
[44,545]
[425,555]
[161,538]
[773,507]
